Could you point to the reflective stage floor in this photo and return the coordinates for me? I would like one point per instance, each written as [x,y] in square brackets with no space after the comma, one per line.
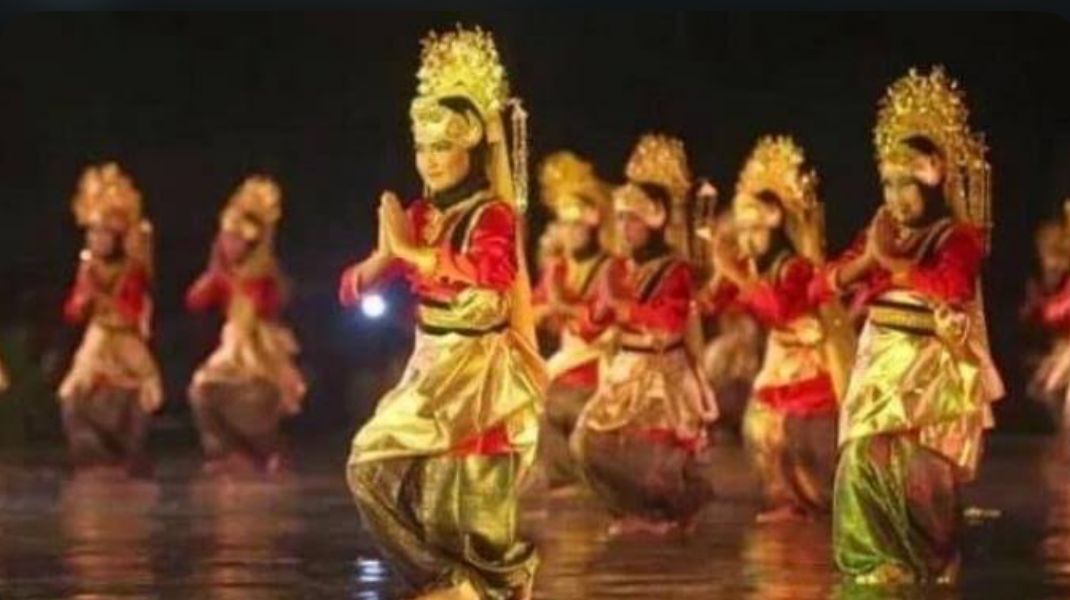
[298,536]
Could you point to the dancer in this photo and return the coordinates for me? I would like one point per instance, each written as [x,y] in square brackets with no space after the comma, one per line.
[565,295]
[249,383]
[436,471]
[113,383]
[732,357]
[640,439]
[790,423]
[918,401]
[1046,313]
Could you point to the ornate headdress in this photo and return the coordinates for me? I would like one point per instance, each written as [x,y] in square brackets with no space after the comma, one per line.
[660,159]
[107,197]
[777,165]
[932,106]
[254,209]
[631,198]
[465,63]
[571,189]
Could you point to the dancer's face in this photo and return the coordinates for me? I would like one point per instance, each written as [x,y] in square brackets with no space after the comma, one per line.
[575,235]
[902,195]
[442,164]
[633,230]
[102,242]
[754,240]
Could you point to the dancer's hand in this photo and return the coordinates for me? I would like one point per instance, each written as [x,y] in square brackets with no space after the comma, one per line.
[383,247]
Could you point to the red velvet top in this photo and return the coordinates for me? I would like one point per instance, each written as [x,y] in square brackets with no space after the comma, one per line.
[578,286]
[130,293]
[488,260]
[948,273]
[658,306]
[216,289]
[775,301]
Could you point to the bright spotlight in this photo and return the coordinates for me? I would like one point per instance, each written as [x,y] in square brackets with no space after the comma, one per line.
[373,306]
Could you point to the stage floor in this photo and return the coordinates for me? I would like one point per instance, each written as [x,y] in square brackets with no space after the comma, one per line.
[179,537]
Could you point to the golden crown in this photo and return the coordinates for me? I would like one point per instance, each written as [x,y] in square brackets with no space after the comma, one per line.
[932,106]
[463,62]
[777,165]
[569,184]
[259,197]
[106,193]
[660,159]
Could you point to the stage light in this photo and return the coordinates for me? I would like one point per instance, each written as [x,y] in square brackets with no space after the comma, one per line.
[373,306]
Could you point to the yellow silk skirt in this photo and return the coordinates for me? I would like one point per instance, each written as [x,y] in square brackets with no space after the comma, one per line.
[447,518]
[250,351]
[640,443]
[115,357]
[911,431]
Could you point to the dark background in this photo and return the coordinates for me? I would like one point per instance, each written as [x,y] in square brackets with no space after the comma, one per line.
[191,103]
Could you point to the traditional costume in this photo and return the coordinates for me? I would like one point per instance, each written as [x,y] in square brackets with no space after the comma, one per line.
[113,383]
[250,382]
[790,423]
[436,471]
[919,395]
[565,297]
[640,440]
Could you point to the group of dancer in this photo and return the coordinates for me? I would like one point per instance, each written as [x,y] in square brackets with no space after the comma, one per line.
[881,428]
[869,402]
[242,390]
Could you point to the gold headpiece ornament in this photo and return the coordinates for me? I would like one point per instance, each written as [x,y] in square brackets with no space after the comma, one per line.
[571,189]
[630,198]
[254,209]
[660,159]
[932,106]
[106,197]
[777,165]
[465,63]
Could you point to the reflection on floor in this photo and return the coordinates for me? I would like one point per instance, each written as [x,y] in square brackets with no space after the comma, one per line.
[297,536]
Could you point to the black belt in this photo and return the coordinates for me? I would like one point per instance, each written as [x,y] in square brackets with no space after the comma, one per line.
[653,349]
[465,331]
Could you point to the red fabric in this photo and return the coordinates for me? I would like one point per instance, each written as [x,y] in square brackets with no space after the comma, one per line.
[589,323]
[952,275]
[717,300]
[667,309]
[488,262]
[491,442]
[131,295]
[775,303]
[805,398]
[584,376]
[663,435]
[216,289]
[80,298]
[949,274]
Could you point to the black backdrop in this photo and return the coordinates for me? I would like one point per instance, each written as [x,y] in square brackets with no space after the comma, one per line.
[189,103]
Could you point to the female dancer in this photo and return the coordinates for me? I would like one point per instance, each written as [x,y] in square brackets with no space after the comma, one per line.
[917,403]
[113,383]
[790,422]
[639,440]
[249,383]
[436,471]
[565,295]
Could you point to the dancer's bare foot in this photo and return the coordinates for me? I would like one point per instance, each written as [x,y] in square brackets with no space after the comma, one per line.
[781,514]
